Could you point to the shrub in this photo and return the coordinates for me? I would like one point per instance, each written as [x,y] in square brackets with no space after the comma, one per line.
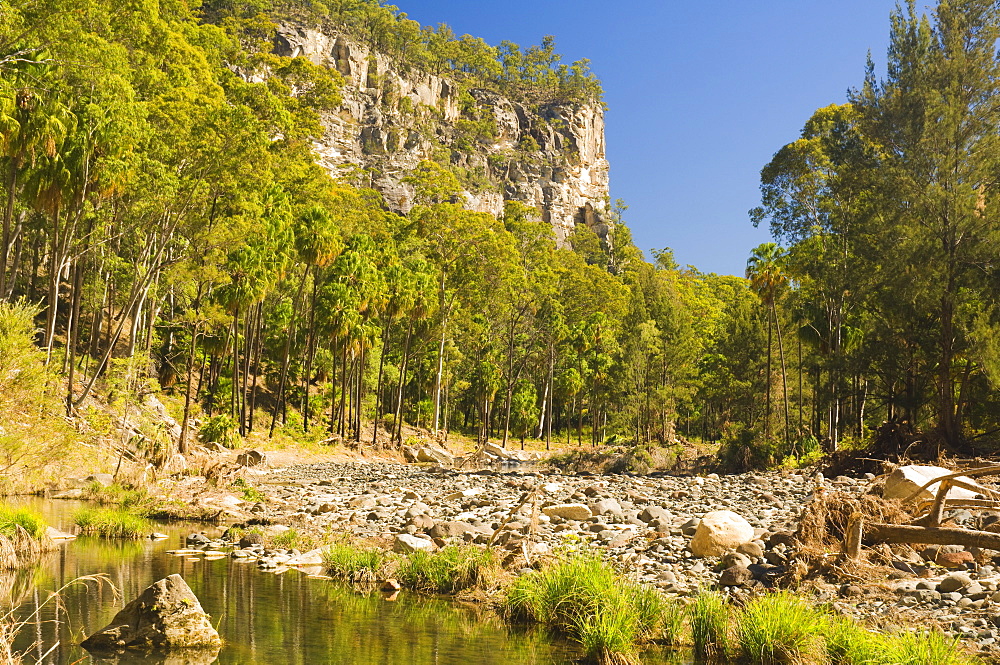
[111,523]
[709,615]
[450,570]
[220,429]
[780,628]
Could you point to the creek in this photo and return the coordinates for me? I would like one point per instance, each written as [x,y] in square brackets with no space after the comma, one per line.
[264,619]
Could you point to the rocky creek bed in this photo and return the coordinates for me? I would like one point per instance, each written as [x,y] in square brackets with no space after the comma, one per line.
[645,524]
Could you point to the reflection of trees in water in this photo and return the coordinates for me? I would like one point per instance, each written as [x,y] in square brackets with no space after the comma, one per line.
[16,585]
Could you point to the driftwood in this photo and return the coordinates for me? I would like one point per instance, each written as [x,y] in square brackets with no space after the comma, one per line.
[852,542]
[931,535]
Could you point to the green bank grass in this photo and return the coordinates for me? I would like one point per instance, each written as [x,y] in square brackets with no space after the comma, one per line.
[354,564]
[23,537]
[586,599]
[451,569]
[112,523]
[780,628]
[709,615]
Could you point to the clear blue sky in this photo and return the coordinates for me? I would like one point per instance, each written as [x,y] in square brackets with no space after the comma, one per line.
[701,95]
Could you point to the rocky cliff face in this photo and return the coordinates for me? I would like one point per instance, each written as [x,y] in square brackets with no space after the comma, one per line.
[551,157]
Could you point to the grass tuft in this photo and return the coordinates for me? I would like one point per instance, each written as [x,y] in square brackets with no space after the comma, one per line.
[357,565]
[112,523]
[780,629]
[450,570]
[709,615]
[585,598]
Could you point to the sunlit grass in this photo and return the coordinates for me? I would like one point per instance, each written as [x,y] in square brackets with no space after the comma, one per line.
[112,523]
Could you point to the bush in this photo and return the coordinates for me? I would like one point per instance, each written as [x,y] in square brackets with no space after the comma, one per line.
[450,570]
[220,429]
[112,523]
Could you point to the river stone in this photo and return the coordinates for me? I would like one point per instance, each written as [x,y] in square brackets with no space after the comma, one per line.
[735,576]
[606,507]
[904,481]
[568,511]
[310,558]
[450,529]
[954,582]
[720,531]
[166,615]
[405,544]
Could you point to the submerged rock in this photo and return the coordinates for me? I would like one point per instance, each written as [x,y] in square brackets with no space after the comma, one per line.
[167,615]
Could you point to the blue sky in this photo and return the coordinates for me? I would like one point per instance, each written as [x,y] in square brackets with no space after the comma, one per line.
[701,95]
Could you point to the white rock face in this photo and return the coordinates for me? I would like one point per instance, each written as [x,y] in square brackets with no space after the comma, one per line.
[904,481]
[405,543]
[719,532]
[382,120]
[569,511]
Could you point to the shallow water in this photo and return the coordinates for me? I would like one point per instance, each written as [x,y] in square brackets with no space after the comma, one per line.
[264,619]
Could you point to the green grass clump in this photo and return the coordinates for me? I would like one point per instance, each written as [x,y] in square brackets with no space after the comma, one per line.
[249,492]
[133,500]
[112,523]
[358,565]
[585,598]
[11,518]
[450,570]
[848,643]
[926,648]
[780,628]
[709,615]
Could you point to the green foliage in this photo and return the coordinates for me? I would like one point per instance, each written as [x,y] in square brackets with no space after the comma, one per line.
[112,523]
[583,597]
[129,499]
[11,519]
[451,569]
[779,628]
[221,429]
[710,615]
[248,491]
[355,564]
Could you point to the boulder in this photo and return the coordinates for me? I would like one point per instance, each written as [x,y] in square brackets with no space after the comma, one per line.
[906,480]
[606,507]
[310,558]
[251,458]
[105,479]
[568,511]
[405,544]
[652,513]
[502,453]
[450,529]
[167,615]
[719,532]
[463,494]
[435,455]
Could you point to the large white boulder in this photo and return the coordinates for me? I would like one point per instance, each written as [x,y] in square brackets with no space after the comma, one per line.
[406,544]
[904,481]
[719,532]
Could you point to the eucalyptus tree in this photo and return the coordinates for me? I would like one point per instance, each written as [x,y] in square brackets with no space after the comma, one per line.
[934,116]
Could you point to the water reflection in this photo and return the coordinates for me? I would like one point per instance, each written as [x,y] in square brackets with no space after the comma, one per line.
[264,619]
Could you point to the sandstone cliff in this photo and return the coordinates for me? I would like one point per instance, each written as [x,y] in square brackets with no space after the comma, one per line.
[549,156]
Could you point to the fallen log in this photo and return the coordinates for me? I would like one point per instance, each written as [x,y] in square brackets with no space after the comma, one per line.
[930,535]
